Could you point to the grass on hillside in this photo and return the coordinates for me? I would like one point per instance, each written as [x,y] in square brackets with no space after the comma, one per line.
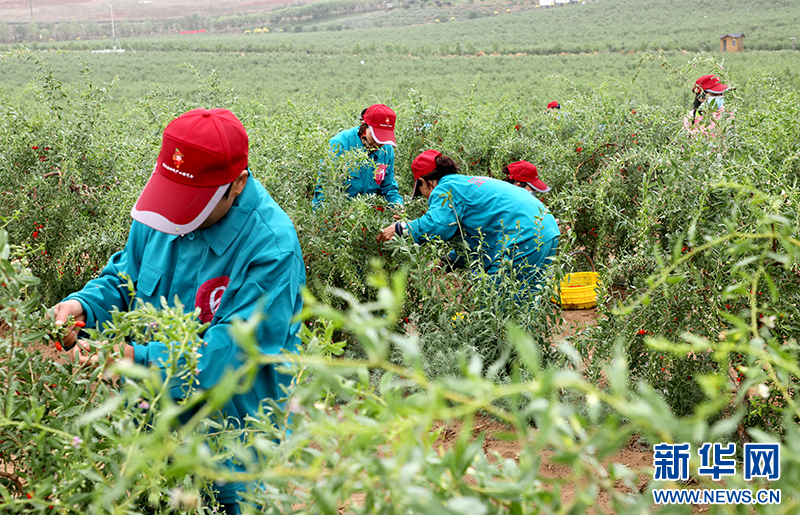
[607,26]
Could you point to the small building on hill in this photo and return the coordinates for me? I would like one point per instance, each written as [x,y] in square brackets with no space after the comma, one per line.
[731,43]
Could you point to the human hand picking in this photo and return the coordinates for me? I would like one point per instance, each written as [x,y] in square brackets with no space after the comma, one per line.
[387,234]
[63,312]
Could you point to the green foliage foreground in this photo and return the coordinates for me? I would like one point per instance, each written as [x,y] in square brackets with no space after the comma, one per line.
[80,443]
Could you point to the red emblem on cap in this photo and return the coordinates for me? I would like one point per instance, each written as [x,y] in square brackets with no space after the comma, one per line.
[387,122]
[177,158]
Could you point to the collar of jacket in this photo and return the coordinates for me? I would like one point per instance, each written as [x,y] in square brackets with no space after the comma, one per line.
[220,235]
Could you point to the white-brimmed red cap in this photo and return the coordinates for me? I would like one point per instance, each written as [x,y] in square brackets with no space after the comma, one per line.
[422,165]
[710,83]
[523,171]
[202,152]
[381,119]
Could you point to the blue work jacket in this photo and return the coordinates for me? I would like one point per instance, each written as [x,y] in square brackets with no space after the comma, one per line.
[498,221]
[251,257]
[364,179]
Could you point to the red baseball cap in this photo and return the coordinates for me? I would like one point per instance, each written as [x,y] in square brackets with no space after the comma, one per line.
[381,120]
[526,172]
[422,165]
[710,83]
[202,152]
[554,104]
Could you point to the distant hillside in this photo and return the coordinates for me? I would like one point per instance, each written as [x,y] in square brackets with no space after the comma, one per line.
[605,25]
[54,11]
[430,27]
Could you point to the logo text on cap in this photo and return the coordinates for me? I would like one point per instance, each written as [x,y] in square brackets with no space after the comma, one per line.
[174,170]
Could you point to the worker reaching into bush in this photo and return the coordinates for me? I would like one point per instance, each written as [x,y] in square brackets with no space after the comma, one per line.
[525,175]
[709,101]
[207,232]
[500,223]
[554,110]
[375,137]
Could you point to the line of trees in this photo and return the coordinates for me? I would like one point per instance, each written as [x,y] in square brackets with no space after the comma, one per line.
[66,31]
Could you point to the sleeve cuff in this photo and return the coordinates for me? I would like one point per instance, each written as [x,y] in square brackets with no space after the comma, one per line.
[140,354]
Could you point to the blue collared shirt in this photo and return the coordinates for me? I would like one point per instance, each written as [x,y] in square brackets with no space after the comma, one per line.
[365,178]
[496,219]
[251,257]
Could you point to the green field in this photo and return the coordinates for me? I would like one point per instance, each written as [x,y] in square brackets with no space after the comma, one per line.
[530,57]
[529,81]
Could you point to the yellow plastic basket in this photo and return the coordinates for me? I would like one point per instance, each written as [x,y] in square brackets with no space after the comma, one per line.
[578,290]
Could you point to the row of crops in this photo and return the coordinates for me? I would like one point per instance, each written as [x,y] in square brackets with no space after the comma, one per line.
[697,236]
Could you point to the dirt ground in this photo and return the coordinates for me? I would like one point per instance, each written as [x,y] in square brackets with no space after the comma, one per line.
[576,320]
[23,11]
[631,456]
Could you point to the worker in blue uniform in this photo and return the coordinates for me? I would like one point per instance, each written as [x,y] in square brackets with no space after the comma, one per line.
[500,223]
[205,230]
[374,175]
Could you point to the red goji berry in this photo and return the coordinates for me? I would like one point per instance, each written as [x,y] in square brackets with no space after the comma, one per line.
[29,495]
[58,346]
